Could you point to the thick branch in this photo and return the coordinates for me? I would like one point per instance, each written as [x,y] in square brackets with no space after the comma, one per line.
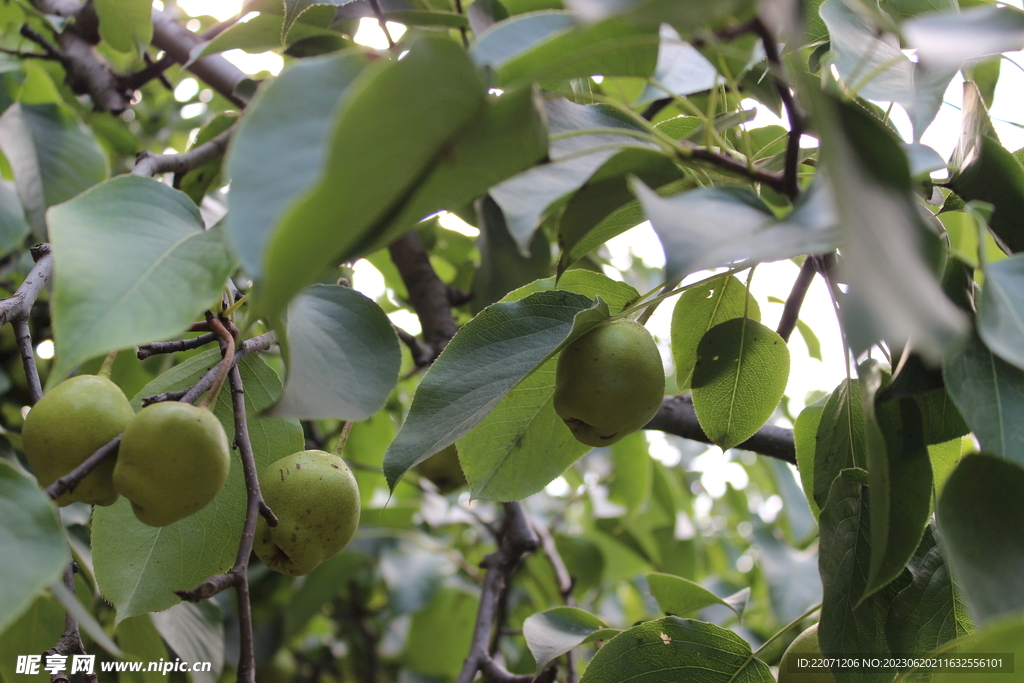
[518,539]
[148,164]
[422,355]
[20,303]
[427,293]
[795,300]
[70,642]
[677,416]
[214,70]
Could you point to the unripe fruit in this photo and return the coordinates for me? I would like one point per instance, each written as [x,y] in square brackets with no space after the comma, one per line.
[805,646]
[174,459]
[67,425]
[316,500]
[443,470]
[609,383]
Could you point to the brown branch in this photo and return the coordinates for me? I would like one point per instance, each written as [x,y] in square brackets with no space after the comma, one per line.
[791,311]
[796,121]
[238,576]
[732,165]
[73,478]
[427,293]
[149,164]
[155,348]
[28,361]
[153,70]
[70,642]
[677,416]
[422,355]
[19,304]
[518,539]
[382,21]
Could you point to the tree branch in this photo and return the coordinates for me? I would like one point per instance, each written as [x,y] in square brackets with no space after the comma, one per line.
[73,478]
[155,348]
[796,122]
[28,361]
[518,539]
[19,304]
[149,164]
[427,293]
[726,163]
[791,312]
[70,642]
[678,417]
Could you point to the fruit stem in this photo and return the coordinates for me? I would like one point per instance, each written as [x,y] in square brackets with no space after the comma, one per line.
[225,365]
[346,429]
[108,364]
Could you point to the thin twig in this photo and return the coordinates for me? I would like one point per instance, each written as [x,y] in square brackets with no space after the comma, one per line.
[727,163]
[796,121]
[382,21]
[462,29]
[152,70]
[149,164]
[28,361]
[73,478]
[422,355]
[155,348]
[791,312]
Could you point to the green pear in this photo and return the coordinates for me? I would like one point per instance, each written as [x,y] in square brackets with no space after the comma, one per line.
[174,459]
[805,646]
[609,383]
[316,499]
[443,470]
[67,425]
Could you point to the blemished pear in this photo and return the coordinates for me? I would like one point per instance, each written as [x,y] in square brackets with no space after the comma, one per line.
[316,499]
[804,646]
[443,470]
[609,383]
[174,459]
[68,425]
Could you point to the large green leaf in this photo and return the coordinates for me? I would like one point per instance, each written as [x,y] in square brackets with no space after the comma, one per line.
[899,476]
[13,226]
[894,293]
[698,651]
[738,380]
[488,357]
[697,311]
[447,144]
[1001,311]
[981,514]
[992,174]
[138,566]
[33,541]
[554,632]
[840,438]
[1002,636]
[718,226]
[260,34]
[990,394]
[452,612]
[678,596]
[195,631]
[140,641]
[275,156]
[132,265]
[341,353]
[126,25]
[53,156]
[294,8]
[522,444]
[849,627]
[35,631]
[550,47]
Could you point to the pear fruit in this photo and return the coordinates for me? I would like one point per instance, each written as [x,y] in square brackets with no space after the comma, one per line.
[609,383]
[67,425]
[316,499]
[805,646]
[443,470]
[174,459]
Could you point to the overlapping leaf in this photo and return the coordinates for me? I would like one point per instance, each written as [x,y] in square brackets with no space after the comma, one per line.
[554,632]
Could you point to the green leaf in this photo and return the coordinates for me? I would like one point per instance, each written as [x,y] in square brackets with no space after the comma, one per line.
[86,621]
[549,47]
[738,380]
[274,156]
[810,339]
[451,612]
[990,395]
[899,476]
[684,15]
[849,627]
[126,25]
[138,566]
[930,611]
[446,161]
[840,438]
[141,642]
[894,293]
[951,38]
[993,175]
[1001,311]
[666,650]
[13,227]
[488,357]
[502,267]
[697,311]
[678,596]
[261,33]
[630,484]
[980,514]
[945,457]
[681,68]
[527,197]
[522,444]
[341,353]
[195,631]
[718,226]
[33,540]
[294,8]
[805,437]
[1005,635]
[942,421]
[35,631]
[53,156]
[428,19]
[326,582]
[133,265]
[554,632]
